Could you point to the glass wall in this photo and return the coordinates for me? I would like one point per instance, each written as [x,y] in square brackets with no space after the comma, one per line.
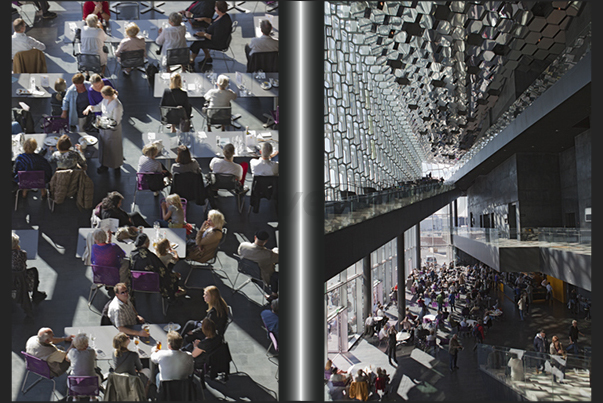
[435,239]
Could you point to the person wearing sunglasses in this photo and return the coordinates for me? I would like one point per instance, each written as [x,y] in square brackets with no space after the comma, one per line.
[123,314]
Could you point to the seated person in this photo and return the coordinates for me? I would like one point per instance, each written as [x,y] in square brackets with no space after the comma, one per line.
[56,99]
[264,43]
[171,37]
[75,102]
[173,363]
[202,348]
[130,43]
[65,157]
[217,312]
[22,42]
[226,165]
[141,259]
[263,166]
[172,212]
[221,96]
[184,162]
[198,13]
[29,160]
[176,96]
[31,275]
[108,254]
[43,346]
[126,361]
[207,239]
[216,35]
[110,207]
[270,317]
[148,163]
[98,8]
[122,312]
[93,39]
[167,255]
[257,252]
[83,358]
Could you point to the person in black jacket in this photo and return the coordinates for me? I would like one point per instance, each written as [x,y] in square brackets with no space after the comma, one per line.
[203,348]
[216,35]
[217,312]
[110,207]
[176,96]
[540,345]
[198,13]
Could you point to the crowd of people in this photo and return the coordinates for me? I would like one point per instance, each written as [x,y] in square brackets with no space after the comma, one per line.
[91,103]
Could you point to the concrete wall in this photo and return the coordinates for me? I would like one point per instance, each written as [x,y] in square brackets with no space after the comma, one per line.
[569,187]
[539,189]
[493,192]
[583,174]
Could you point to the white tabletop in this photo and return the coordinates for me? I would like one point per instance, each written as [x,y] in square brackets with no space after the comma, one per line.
[28,241]
[429,317]
[118,30]
[44,84]
[273,20]
[91,151]
[197,84]
[103,343]
[175,235]
[204,144]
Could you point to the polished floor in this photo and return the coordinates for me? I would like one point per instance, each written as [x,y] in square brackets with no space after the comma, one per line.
[420,376]
[66,279]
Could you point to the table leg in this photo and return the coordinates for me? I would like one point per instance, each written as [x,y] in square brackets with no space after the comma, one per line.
[235,6]
[152,6]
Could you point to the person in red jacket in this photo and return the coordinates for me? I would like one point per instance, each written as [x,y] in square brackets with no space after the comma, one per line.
[100,8]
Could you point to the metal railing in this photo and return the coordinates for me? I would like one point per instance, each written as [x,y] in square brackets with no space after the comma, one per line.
[563,375]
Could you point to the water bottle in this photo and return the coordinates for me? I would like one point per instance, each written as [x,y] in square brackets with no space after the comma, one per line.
[32,84]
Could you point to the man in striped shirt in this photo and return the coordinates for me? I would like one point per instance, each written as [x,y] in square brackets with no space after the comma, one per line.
[123,314]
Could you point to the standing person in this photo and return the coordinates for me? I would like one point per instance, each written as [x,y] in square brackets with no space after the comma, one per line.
[540,345]
[549,293]
[110,141]
[558,355]
[369,326]
[452,300]
[574,332]
[454,346]
[75,102]
[521,304]
[391,344]
[95,96]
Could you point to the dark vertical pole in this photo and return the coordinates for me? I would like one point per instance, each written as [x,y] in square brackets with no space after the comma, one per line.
[301,213]
[401,279]
[456,213]
[367,286]
[418,242]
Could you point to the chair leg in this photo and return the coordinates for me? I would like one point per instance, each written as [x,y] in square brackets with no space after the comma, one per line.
[17,198]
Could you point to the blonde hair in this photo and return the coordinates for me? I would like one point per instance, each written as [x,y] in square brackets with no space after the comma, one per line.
[120,343]
[30,145]
[174,340]
[92,20]
[109,91]
[80,341]
[150,150]
[222,81]
[174,200]
[217,218]
[216,300]
[15,241]
[132,29]
[176,81]
[60,86]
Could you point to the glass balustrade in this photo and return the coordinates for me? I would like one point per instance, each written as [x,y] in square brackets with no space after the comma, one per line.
[564,378]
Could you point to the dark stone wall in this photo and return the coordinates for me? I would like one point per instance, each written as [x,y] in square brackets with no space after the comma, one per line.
[569,187]
[539,189]
[583,174]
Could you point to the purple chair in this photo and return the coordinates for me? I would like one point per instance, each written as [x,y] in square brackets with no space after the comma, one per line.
[30,180]
[151,181]
[54,124]
[102,276]
[83,386]
[147,281]
[38,367]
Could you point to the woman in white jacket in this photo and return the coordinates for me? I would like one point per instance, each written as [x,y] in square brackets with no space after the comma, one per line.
[110,140]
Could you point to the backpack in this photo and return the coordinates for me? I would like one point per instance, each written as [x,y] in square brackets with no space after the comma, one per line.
[25,119]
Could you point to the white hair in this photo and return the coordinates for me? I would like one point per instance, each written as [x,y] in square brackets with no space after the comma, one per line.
[99,236]
[80,341]
[44,335]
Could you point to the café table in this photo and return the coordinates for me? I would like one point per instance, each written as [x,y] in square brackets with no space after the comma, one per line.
[273,20]
[103,339]
[90,151]
[471,322]
[44,84]
[429,318]
[209,144]
[402,336]
[28,241]
[245,85]
[175,235]
[149,30]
